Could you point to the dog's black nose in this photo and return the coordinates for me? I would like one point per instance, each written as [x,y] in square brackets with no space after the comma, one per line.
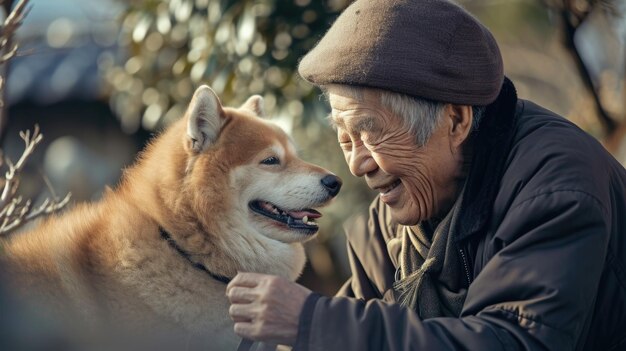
[332,183]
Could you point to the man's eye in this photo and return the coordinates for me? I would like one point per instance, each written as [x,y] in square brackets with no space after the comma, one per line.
[345,145]
[273,160]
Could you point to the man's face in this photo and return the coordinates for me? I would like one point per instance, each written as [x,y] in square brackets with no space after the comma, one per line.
[415,182]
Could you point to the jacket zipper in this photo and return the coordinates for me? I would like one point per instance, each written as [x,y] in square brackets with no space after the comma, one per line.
[465,266]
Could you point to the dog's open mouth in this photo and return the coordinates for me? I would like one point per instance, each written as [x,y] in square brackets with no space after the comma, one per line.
[302,220]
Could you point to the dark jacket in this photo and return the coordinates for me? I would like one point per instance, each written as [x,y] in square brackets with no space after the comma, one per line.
[542,241]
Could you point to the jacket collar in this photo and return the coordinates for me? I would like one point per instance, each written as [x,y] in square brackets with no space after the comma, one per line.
[492,144]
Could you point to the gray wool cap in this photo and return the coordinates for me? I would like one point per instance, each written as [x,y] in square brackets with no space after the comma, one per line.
[431,49]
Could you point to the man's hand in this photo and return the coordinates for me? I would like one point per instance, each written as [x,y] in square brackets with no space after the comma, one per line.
[266,307]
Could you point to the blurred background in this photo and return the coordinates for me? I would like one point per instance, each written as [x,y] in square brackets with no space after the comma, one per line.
[101,76]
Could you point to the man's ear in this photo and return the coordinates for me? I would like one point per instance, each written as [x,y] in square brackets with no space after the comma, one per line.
[461,118]
[205,118]
[255,104]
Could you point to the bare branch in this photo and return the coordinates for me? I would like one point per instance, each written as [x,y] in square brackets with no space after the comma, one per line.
[13,211]
[48,207]
[49,186]
[8,49]
[8,55]
[14,19]
[26,214]
[10,184]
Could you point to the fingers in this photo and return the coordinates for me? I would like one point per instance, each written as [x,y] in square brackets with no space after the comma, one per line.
[239,294]
[240,313]
[254,331]
[245,279]
[246,294]
[265,307]
[246,330]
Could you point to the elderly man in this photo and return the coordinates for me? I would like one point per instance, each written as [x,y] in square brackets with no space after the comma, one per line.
[499,225]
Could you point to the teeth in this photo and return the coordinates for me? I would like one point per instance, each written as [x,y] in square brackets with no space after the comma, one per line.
[389,188]
[305,219]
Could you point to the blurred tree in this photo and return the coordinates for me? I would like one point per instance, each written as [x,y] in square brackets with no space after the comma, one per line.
[572,15]
[567,55]
[238,47]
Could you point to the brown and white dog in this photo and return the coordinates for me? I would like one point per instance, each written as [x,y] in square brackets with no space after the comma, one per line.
[219,191]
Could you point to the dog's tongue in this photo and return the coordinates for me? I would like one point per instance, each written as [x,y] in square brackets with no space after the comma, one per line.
[307,212]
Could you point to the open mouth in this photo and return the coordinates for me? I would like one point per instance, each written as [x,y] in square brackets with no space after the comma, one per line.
[302,220]
[390,187]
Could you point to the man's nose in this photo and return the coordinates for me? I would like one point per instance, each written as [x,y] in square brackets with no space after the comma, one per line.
[361,161]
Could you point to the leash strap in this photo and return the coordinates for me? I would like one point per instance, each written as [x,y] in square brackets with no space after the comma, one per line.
[245,345]
[249,345]
[168,238]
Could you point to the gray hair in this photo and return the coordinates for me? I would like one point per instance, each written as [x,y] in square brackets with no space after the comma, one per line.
[421,116]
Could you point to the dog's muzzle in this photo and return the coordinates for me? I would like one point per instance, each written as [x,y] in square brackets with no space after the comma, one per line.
[332,183]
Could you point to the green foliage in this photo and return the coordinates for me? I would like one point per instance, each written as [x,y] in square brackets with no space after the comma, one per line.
[239,48]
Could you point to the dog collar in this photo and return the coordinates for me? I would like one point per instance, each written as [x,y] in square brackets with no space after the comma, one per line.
[168,238]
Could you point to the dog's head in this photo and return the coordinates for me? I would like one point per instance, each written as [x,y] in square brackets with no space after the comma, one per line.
[245,169]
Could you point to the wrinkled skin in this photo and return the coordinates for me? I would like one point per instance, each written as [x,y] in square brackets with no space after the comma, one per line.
[265,307]
[380,149]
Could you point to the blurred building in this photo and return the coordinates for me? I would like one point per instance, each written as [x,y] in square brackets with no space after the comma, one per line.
[56,82]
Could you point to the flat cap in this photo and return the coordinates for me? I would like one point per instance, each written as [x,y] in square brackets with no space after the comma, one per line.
[431,49]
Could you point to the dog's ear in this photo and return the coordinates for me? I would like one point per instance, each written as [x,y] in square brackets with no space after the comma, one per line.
[255,104]
[205,117]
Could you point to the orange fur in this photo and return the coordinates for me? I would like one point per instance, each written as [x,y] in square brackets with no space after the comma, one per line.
[105,262]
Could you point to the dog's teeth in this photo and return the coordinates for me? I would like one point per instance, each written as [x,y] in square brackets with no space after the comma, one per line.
[305,219]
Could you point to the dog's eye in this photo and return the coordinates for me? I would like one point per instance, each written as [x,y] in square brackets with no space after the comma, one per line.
[271,161]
